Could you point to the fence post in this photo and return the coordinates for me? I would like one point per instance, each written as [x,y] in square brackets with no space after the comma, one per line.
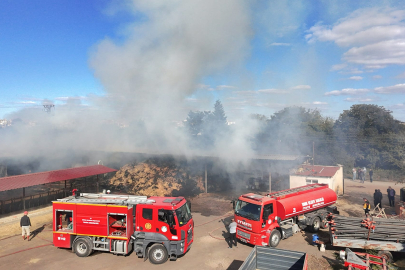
[23,198]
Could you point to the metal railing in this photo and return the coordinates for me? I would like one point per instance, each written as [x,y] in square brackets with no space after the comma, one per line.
[41,199]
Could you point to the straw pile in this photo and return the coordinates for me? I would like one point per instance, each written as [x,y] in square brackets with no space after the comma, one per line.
[153,178]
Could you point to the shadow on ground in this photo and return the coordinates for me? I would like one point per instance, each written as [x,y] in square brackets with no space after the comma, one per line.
[235,265]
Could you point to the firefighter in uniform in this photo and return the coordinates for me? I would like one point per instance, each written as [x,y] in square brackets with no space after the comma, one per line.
[366,207]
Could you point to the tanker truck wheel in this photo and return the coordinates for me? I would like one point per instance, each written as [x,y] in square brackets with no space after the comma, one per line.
[316,224]
[275,238]
[324,224]
[158,254]
[83,248]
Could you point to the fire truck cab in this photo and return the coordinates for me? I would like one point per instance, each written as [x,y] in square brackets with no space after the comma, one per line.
[157,228]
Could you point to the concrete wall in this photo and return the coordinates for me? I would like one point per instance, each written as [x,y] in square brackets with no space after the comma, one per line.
[3,171]
[335,182]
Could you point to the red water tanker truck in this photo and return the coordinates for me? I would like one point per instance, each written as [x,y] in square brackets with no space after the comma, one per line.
[154,227]
[265,220]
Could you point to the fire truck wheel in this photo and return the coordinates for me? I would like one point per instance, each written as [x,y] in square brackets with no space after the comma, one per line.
[275,238]
[82,247]
[157,254]
[386,255]
[316,224]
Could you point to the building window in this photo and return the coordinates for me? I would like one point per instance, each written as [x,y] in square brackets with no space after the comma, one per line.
[312,181]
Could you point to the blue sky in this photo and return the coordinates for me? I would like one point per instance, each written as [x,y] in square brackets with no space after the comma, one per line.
[325,55]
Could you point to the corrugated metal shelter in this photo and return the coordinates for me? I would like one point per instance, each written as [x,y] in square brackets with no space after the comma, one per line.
[33,179]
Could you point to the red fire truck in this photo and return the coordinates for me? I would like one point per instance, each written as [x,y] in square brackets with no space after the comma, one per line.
[157,228]
[265,220]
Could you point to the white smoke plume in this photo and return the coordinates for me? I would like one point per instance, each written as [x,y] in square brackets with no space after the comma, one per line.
[147,79]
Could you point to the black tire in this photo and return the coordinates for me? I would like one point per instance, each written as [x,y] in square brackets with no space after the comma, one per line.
[316,224]
[275,238]
[324,224]
[302,226]
[83,247]
[158,254]
[386,255]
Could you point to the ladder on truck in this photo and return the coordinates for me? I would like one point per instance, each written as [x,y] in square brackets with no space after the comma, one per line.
[108,198]
[294,190]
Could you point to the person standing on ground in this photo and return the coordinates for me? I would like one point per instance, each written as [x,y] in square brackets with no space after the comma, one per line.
[364,174]
[354,174]
[361,176]
[376,196]
[232,231]
[391,196]
[366,207]
[371,175]
[380,197]
[25,224]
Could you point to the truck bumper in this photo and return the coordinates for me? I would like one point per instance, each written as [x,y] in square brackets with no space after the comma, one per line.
[248,237]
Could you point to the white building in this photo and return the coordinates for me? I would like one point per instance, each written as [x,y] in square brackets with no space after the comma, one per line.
[318,174]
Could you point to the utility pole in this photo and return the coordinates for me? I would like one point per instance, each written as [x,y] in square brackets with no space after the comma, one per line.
[206,186]
[48,107]
[313,153]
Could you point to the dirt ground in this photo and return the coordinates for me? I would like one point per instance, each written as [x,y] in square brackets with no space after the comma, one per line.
[209,251]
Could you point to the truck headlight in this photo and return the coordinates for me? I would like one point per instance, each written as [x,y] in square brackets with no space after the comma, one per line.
[182,244]
[181,250]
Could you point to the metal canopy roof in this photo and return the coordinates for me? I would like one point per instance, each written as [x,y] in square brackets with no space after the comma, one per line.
[33,179]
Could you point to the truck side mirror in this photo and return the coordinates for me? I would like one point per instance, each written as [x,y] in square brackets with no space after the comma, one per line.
[233,204]
[170,220]
[189,205]
[266,213]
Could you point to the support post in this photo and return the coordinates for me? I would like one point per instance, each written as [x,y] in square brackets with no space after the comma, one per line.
[23,198]
[206,186]
[97,183]
[269,181]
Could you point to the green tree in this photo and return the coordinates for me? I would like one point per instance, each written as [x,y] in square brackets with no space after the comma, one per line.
[372,136]
[218,116]
[292,131]
[208,126]
[195,122]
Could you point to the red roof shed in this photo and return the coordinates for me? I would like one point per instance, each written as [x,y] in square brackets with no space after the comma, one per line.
[317,170]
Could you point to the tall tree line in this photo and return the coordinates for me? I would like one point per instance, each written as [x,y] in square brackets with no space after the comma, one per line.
[363,136]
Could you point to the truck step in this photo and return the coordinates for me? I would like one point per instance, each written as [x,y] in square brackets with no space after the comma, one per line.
[101,249]
[100,242]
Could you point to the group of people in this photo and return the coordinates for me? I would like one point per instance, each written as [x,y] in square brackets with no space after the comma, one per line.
[361,174]
[378,196]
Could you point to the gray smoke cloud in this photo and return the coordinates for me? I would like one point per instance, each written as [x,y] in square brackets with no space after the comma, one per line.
[147,79]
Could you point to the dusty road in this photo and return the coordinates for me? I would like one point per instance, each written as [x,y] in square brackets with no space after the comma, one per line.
[209,250]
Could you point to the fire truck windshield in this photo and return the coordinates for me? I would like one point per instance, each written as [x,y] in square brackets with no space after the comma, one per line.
[183,214]
[248,210]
